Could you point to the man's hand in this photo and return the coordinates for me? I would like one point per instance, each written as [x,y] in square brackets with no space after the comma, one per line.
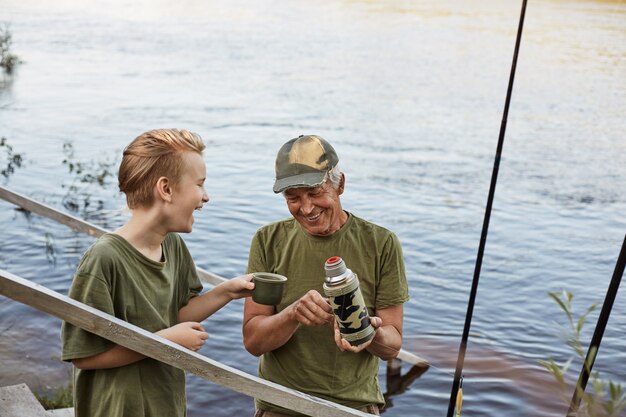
[345,346]
[312,309]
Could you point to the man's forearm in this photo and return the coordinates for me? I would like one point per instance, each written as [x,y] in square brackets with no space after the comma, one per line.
[386,343]
[263,333]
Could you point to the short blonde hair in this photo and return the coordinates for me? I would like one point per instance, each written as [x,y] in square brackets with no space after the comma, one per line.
[151,155]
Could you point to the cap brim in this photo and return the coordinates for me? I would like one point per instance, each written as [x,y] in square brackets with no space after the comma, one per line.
[310,179]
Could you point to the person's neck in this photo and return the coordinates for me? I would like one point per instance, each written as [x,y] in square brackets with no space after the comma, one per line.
[344,218]
[144,232]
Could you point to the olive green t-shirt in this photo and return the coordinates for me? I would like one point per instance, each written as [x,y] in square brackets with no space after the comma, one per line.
[310,361]
[117,279]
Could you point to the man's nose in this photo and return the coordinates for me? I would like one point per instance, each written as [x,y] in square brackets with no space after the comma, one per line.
[306,205]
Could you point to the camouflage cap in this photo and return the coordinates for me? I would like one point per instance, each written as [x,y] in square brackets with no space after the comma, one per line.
[303,162]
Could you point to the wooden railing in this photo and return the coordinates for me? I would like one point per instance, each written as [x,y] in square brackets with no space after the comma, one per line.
[96,231]
[75,223]
[159,348]
[154,346]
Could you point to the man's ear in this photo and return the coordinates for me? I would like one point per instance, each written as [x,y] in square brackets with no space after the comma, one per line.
[342,183]
[163,189]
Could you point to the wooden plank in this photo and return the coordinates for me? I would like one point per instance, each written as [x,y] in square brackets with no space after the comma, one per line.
[76,223]
[51,213]
[159,348]
[412,358]
[61,412]
[93,230]
[19,401]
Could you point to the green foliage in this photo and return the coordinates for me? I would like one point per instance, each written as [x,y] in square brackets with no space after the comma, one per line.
[85,176]
[605,398]
[8,61]
[13,160]
[61,398]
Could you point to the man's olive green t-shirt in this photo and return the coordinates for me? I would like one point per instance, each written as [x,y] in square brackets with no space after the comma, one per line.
[117,279]
[310,361]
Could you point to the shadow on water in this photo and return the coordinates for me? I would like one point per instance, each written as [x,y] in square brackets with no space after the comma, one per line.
[491,378]
[398,383]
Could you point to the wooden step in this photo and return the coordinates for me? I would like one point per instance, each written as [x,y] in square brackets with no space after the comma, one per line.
[19,401]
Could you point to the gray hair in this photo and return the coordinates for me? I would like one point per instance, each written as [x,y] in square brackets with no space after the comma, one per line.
[334,176]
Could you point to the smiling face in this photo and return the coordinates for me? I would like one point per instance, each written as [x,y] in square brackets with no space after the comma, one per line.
[317,209]
[188,193]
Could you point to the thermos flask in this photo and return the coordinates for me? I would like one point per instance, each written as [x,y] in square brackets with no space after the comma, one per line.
[346,300]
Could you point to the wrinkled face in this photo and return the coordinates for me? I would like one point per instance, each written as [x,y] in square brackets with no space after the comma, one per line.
[189,193]
[317,209]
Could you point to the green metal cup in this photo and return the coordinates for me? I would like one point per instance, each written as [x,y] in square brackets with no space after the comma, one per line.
[268,288]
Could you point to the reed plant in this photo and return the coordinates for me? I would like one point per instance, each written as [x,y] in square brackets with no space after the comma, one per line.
[604,398]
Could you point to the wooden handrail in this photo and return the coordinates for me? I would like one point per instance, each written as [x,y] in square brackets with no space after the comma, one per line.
[76,223]
[159,348]
[96,231]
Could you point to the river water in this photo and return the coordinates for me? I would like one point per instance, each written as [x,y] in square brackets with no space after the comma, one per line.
[411,94]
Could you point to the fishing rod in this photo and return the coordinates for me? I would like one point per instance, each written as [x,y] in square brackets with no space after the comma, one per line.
[594,346]
[456,392]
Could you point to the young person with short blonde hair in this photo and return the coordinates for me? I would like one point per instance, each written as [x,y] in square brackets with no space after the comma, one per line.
[143,273]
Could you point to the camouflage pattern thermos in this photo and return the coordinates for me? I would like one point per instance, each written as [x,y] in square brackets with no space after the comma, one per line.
[346,300]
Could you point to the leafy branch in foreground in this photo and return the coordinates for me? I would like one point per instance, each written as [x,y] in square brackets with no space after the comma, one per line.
[606,398]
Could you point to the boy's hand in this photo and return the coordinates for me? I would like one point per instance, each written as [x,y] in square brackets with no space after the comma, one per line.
[239,287]
[188,334]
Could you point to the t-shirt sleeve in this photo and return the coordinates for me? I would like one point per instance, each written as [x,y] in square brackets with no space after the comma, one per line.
[256,257]
[393,288]
[190,284]
[76,343]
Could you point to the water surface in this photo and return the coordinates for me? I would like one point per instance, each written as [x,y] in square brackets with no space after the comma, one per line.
[411,96]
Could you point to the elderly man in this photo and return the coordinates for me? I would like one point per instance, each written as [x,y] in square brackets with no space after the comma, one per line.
[298,341]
